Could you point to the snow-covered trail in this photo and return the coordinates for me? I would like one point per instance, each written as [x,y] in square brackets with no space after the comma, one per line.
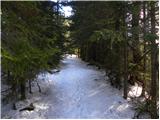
[77,91]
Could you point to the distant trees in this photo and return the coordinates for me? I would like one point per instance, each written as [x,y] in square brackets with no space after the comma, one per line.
[121,38]
[32,42]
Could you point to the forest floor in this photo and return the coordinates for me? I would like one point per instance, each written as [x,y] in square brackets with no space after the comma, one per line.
[77,91]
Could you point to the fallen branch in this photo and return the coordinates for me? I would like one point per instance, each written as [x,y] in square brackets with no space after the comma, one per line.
[6,90]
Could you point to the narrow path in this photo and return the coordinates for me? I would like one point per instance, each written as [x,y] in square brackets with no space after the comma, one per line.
[78,91]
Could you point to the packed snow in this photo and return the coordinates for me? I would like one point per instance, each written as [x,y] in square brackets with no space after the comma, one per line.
[77,91]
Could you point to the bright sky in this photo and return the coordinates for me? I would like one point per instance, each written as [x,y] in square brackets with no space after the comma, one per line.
[66,9]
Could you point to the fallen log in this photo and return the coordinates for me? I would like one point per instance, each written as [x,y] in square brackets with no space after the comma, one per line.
[29,108]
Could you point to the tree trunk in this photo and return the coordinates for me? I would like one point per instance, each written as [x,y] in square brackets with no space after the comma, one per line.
[125,92]
[144,50]
[135,38]
[153,66]
[30,86]
[23,90]
[125,72]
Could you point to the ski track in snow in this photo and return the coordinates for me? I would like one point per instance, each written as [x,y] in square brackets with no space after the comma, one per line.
[77,91]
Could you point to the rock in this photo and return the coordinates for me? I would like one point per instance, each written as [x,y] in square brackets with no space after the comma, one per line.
[90,64]
[119,102]
[95,79]
[53,71]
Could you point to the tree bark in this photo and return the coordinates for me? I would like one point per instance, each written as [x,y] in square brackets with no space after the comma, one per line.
[153,92]
[135,38]
[30,86]
[144,49]
[23,90]
[125,90]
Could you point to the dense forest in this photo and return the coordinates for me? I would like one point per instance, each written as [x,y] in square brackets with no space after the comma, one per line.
[30,44]
[118,37]
[121,37]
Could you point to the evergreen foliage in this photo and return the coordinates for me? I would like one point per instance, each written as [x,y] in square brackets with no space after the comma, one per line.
[31,41]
